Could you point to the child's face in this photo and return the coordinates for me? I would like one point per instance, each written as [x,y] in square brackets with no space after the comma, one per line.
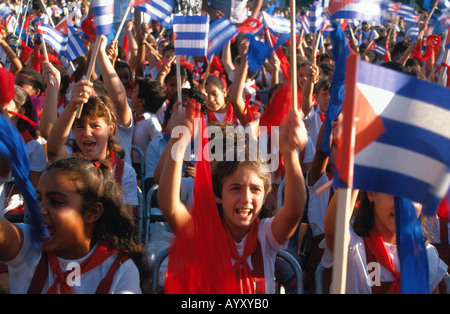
[25,82]
[242,198]
[61,208]
[215,101]
[302,76]
[323,98]
[92,136]
[171,85]
[124,76]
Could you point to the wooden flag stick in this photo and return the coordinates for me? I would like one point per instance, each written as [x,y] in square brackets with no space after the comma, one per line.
[207,71]
[344,199]
[90,70]
[44,48]
[130,5]
[179,98]
[293,57]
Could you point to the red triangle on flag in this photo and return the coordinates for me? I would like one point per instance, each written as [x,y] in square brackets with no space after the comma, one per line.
[63,26]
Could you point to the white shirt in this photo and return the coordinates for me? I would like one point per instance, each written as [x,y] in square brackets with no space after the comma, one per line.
[359,279]
[23,266]
[269,249]
[145,131]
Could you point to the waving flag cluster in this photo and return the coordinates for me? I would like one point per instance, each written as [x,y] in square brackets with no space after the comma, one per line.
[220,32]
[64,39]
[5,11]
[402,142]
[316,16]
[51,36]
[278,25]
[159,10]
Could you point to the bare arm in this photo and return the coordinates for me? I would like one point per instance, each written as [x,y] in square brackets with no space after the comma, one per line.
[114,86]
[16,65]
[293,136]
[174,211]
[11,240]
[61,129]
[308,89]
[49,111]
[330,218]
[237,88]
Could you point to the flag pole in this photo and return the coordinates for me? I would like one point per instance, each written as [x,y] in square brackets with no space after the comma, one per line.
[178,79]
[344,199]
[293,57]
[442,71]
[207,71]
[130,5]
[90,69]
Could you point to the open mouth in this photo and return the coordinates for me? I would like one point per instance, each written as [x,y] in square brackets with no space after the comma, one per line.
[243,212]
[89,145]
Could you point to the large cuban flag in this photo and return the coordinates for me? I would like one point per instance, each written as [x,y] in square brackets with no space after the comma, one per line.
[402,136]
[367,10]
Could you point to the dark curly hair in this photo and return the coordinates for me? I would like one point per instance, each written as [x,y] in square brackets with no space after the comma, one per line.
[94,181]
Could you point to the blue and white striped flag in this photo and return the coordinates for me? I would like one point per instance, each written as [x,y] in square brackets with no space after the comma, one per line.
[103,12]
[413,31]
[407,12]
[304,24]
[51,36]
[402,142]
[5,11]
[315,16]
[276,24]
[159,10]
[220,32]
[190,33]
[75,46]
[377,49]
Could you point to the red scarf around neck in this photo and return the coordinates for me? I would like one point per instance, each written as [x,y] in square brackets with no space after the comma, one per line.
[229,116]
[242,270]
[101,254]
[374,242]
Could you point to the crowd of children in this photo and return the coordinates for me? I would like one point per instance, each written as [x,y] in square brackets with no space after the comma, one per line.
[88,178]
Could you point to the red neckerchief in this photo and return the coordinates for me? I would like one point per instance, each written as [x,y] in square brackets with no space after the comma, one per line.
[112,158]
[229,117]
[244,275]
[443,209]
[26,136]
[101,254]
[23,117]
[321,115]
[374,242]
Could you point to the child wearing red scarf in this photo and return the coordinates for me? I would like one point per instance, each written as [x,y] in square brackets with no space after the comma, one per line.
[85,253]
[373,242]
[240,189]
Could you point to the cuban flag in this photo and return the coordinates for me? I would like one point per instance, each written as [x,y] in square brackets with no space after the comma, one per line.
[5,11]
[316,16]
[401,138]
[413,31]
[75,45]
[378,49]
[304,24]
[408,13]
[221,31]
[367,10]
[103,12]
[190,33]
[278,25]
[159,10]
[51,36]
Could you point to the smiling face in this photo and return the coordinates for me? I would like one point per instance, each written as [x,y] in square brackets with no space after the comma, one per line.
[62,212]
[91,136]
[243,195]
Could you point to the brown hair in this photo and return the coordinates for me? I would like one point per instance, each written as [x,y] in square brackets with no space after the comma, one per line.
[100,107]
